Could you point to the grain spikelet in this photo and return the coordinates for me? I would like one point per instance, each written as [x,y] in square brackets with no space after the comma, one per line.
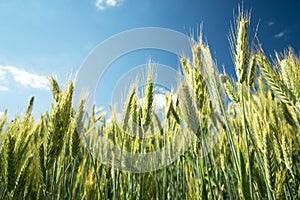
[274,82]
[280,179]
[127,108]
[21,179]
[286,72]
[291,74]
[25,132]
[187,70]
[188,108]
[60,122]
[78,123]
[286,115]
[229,89]
[147,102]
[56,92]
[251,70]
[196,50]
[3,120]
[171,109]
[287,154]
[262,86]
[239,45]
[42,163]
[200,89]
[11,163]
[269,161]
[134,116]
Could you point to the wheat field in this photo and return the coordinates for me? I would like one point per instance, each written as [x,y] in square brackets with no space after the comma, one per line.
[253,126]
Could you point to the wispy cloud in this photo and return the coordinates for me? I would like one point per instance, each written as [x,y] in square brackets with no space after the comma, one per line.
[103,4]
[283,34]
[280,34]
[271,23]
[23,77]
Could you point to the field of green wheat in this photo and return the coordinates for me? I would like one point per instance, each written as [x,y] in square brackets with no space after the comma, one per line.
[247,143]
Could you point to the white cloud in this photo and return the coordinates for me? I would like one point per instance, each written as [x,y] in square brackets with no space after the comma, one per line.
[111,3]
[279,35]
[3,88]
[25,78]
[99,4]
[1,113]
[2,75]
[161,90]
[283,34]
[103,4]
[159,101]
[271,23]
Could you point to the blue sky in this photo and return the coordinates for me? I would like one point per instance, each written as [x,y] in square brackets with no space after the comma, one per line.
[43,38]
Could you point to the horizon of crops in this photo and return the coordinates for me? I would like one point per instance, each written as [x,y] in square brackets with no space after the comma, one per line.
[246,144]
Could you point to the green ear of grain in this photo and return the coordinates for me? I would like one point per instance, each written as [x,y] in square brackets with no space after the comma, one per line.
[56,91]
[134,116]
[286,73]
[188,108]
[187,70]
[229,89]
[291,74]
[286,151]
[11,163]
[275,84]
[171,110]
[251,70]
[147,102]
[2,162]
[3,120]
[24,134]
[42,164]
[269,161]
[280,179]
[60,122]
[77,130]
[21,179]
[197,62]
[127,108]
[200,89]
[240,45]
